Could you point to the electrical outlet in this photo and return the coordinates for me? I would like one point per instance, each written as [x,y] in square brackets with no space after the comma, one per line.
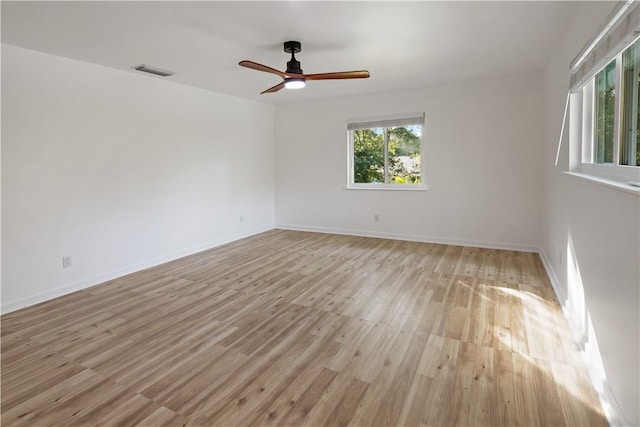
[376,217]
[66,261]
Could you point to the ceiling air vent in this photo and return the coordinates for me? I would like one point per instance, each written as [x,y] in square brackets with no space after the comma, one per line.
[153,70]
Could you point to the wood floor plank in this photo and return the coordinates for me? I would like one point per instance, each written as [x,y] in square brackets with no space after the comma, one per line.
[300,408]
[415,405]
[297,328]
[504,406]
[290,391]
[390,408]
[376,396]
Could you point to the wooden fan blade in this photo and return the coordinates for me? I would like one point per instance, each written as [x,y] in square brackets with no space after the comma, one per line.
[360,74]
[260,67]
[273,89]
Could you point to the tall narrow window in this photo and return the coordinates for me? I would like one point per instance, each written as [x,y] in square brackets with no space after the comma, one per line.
[629,153]
[386,153]
[605,92]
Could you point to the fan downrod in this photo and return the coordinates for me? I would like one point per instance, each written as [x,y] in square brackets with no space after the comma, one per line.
[293,66]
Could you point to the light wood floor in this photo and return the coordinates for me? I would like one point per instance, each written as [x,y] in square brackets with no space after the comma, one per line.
[292,328]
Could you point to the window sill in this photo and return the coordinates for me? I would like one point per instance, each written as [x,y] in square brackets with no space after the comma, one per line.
[387,187]
[618,185]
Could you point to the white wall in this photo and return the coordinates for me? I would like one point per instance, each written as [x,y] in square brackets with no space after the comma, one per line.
[121,171]
[483,165]
[592,241]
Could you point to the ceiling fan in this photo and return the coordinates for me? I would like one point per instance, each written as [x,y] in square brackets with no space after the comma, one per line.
[293,78]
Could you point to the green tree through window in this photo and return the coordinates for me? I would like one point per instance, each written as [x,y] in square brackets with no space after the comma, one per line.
[368,155]
[403,162]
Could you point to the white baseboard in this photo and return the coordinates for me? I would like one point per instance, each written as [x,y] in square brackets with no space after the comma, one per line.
[590,354]
[409,237]
[8,307]
[555,282]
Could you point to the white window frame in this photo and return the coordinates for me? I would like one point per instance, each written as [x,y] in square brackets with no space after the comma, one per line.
[582,141]
[383,122]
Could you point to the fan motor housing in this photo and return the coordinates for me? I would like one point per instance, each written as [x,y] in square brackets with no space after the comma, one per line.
[293,67]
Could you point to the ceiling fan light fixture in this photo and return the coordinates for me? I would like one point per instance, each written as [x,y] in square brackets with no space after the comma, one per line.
[294,78]
[294,83]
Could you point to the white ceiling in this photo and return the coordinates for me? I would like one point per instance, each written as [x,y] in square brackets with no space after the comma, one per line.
[402,44]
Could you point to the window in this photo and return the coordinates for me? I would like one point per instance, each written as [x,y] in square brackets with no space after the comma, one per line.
[386,153]
[607,83]
[609,130]
[629,152]
[604,103]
